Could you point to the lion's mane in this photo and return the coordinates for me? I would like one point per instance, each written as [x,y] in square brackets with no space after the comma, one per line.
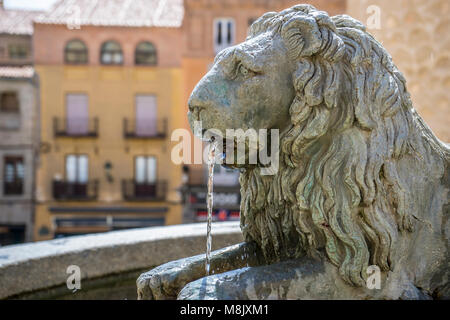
[337,192]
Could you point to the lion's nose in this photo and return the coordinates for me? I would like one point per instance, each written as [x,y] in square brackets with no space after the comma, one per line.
[194,110]
[191,105]
[194,103]
[201,96]
[195,106]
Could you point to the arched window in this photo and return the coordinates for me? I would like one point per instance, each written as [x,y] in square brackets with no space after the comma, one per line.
[76,52]
[145,54]
[111,53]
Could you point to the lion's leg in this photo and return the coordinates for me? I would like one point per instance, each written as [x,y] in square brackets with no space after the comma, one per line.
[294,279]
[302,279]
[165,281]
[273,281]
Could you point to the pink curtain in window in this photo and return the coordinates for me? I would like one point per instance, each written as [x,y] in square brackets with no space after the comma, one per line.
[146,115]
[77,114]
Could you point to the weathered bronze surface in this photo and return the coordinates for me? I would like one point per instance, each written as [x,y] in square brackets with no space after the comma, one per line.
[362,180]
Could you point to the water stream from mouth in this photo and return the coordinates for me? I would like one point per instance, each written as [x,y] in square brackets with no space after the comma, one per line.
[209,203]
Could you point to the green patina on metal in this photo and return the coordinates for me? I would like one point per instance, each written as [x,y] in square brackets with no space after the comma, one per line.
[346,187]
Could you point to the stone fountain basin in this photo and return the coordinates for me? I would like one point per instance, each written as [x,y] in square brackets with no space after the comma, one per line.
[109,262]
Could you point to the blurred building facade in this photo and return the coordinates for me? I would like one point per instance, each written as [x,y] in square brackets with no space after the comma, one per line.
[107,116]
[19,119]
[110,93]
[417,35]
[115,77]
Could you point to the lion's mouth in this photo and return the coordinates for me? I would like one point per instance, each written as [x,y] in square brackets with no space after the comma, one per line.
[225,163]
[235,155]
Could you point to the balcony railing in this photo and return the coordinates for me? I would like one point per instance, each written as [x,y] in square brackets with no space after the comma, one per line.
[64,190]
[13,188]
[77,127]
[137,191]
[142,129]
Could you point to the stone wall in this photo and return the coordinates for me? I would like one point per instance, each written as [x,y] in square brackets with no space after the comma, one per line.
[7,40]
[19,137]
[17,210]
[416,34]
[20,131]
[42,265]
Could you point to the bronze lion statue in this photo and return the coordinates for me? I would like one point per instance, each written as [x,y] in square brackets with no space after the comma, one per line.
[362,181]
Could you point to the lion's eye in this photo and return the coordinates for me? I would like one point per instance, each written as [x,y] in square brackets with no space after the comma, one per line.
[243,70]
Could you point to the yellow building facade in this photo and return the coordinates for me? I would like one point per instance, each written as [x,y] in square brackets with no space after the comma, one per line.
[111,93]
[105,172]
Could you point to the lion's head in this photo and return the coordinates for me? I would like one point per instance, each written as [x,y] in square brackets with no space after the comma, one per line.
[345,118]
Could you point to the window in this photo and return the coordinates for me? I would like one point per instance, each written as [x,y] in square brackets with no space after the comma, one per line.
[77,114]
[145,170]
[9,102]
[77,169]
[223,33]
[146,116]
[76,184]
[11,234]
[76,52]
[145,176]
[18,51]
[111,53]
[224,176]
[13,175]
[145,54]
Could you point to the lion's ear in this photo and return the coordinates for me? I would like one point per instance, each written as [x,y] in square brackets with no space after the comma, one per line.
[302,36]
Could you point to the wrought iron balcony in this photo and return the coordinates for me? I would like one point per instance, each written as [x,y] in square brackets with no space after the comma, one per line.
[77,128]
[138,191]
[142,129]
[64,190]
[13,188]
